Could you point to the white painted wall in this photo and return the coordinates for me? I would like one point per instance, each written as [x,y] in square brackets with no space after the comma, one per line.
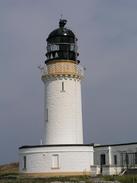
[71,159]
[64,124]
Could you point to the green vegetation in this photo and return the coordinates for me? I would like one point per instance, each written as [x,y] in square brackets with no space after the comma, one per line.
[10,178]
[9,168]
[122,179]
[9,174]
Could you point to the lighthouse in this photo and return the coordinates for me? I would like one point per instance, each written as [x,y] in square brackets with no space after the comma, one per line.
[62,151]
[62,85]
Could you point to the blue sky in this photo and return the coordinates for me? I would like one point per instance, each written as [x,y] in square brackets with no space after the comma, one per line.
[107,40]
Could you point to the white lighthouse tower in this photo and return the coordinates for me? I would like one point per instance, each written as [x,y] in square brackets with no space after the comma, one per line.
[62,79]
[62,151]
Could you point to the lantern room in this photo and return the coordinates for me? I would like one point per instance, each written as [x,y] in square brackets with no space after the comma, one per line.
[62,44]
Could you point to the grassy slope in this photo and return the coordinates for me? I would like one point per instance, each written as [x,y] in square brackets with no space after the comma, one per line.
[9,168]
[9,174]
[122,179]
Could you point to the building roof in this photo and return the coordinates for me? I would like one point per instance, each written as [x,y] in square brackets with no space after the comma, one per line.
[121,144]
[56,145]
[61,31]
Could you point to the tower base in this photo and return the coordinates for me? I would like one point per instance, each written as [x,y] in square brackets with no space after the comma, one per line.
[56,160]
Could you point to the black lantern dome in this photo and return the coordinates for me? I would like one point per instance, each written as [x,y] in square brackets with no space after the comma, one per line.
[61,44]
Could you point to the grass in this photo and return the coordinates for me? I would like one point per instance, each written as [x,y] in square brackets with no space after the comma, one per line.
[122,179]
[9,174]
[18,179]
[9,168]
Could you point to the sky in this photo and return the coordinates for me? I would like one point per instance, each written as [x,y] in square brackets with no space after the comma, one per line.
[107,41]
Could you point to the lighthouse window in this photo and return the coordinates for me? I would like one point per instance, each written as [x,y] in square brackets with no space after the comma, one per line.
[55,161]
[24,163]
[62,87]
[52,47]
[72,47]
[46,115]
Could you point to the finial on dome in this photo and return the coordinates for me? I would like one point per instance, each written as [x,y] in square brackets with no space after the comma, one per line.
[62,23]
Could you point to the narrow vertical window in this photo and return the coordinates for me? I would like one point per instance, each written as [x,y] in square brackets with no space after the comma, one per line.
[24,163]
[102,159]
[127,159]
[135,157]
[55,161]
[46,115]
[62,87]
[115,159]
